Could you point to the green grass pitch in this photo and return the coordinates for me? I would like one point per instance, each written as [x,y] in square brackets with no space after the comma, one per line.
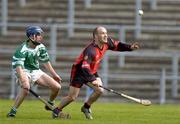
[33,112]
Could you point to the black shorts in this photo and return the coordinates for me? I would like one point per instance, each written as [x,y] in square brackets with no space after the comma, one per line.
[77,78]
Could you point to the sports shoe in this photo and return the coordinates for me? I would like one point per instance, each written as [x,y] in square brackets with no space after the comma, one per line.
[87,112]
[11,115]
[59,114]
[47,108]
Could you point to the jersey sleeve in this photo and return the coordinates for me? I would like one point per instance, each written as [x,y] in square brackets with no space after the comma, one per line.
[87,60]
[44,56]
[18,58]
[118,46]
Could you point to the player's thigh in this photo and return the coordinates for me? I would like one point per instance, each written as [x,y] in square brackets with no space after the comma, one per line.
[46,80]
[99,81]
[95,87]
[25,83]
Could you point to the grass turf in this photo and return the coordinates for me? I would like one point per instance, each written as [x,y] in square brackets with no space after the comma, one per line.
[32,112]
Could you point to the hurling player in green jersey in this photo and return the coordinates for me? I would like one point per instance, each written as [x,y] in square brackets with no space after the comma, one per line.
[25,64]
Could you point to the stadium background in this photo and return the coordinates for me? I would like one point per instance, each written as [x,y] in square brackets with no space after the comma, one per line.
[151,72]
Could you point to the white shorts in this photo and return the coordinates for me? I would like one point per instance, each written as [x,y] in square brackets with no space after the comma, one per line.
[33,75]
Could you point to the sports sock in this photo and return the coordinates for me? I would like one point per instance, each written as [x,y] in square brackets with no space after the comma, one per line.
[13,110]
[51,102]
[87,105]
[56,110]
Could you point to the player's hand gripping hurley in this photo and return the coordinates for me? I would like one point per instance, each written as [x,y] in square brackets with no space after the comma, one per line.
[141,101]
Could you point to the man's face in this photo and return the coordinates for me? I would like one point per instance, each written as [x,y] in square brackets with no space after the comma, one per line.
[37,38]
[102,35]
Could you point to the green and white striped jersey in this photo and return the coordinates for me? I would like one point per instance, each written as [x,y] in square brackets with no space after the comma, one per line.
[29,58]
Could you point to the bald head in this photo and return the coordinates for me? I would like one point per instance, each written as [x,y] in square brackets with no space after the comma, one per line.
[98,30]
[100,34]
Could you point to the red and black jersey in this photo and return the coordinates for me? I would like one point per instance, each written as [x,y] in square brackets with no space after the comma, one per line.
[89,60]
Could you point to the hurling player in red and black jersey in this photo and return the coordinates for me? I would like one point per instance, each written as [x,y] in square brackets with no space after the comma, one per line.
[84,70]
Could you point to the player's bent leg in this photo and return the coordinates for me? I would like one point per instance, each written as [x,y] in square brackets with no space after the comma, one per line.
[92,98]
[19,99]
[57,112]
[86,108]
[96,94]
[46,80]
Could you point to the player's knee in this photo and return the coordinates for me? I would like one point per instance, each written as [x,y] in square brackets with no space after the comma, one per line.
[25,91]
[25,86]
[99,91]
[58,87]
